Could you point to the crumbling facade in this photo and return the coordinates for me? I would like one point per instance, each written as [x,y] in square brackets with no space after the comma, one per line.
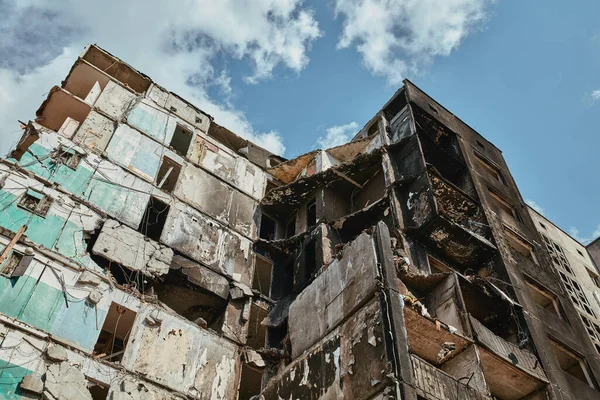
[149,253]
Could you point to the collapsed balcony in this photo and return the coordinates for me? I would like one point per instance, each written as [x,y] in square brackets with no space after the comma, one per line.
[353,185]
[469,332]
[447,219]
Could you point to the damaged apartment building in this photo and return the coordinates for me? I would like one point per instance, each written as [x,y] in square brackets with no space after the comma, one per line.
[147,252]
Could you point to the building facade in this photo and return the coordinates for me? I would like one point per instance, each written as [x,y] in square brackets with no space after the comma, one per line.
[149,253]
[577,272]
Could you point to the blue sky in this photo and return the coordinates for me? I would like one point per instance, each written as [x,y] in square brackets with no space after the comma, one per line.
[295,75]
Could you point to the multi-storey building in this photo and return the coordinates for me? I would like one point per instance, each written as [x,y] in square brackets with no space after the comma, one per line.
[577,272]
[151,253]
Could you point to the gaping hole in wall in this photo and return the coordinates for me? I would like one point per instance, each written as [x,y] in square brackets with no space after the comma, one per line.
[68,157]
[181,140]
[263,269]
[167,176]
[543,297]
[62,112]
[395,105]
[283,279]
[290,227]
[276,336]
[256,332]
[447,166]
[495,313]
[311,213]
[270,186]
[115,332]
[268,227]
[310,259]
[154,219]
[98,391]
[191,301]
[85,82]
[117,69]
[250,383]
[572,363]
[35,202]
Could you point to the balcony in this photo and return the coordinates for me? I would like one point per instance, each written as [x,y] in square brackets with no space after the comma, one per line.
[450,220]
[433,383]
[511,373]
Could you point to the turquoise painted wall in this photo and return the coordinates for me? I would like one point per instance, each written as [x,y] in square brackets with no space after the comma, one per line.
[51,231]
[10,377]
[73,181]
[43,306]
[149,122]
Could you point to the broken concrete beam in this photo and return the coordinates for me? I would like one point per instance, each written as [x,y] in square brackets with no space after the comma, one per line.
[254,359]
[202,276]
[32,384]
[89,278]
[129,248]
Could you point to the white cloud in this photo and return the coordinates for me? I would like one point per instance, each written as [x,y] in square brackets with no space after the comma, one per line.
[395,37]
[584,239]
[595,95]
[337,135]
[179,46]
[535,206]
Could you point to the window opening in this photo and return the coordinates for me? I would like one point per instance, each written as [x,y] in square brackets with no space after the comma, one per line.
[263,269]
[181,140]
[489,169]
[168,173]
[154,219]
[543,297]
[311,213]
[267,227]
[250,383]
[290,228]
[115,332]
[36,202]
[572,363]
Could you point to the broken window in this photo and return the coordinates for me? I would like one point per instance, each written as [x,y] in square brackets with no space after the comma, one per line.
[181,140]
[488,169]
[250,383]
[168,173]
[262,276]
[504,207]
[520,245]
[16,264]
[154,219]
[436,266]
[290,228]
[113,337]
[68,157]
[36,202]
[543,297]
[311,213]
[256,332]
[572,363]
[593,330]
[267,227]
